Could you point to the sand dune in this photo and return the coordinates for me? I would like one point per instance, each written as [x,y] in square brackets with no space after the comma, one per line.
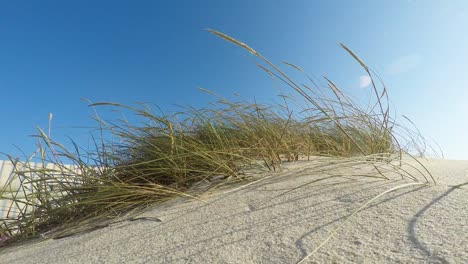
[271,222]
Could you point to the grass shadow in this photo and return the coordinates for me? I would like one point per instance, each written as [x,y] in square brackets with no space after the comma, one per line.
[411,229]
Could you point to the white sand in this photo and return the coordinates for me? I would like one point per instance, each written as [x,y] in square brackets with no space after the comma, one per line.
[416,224]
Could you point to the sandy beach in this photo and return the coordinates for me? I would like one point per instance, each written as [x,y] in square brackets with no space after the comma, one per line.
[269,221]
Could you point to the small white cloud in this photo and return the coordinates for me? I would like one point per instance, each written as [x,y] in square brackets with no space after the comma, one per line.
[404,64]
[364,81]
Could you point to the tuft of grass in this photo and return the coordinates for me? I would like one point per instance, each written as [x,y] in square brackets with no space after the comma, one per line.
[167,155]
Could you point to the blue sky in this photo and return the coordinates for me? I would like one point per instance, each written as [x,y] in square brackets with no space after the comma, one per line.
[52,53]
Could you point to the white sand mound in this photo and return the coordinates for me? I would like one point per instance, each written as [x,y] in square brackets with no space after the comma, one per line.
[260,223]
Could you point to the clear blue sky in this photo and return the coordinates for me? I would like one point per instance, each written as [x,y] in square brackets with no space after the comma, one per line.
[52,53]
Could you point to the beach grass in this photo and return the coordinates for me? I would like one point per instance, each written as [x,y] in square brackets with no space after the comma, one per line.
[163,156]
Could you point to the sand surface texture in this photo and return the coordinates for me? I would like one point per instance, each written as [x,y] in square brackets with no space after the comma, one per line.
[270,221]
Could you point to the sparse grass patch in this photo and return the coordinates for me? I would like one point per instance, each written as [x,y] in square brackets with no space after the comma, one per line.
[164,156]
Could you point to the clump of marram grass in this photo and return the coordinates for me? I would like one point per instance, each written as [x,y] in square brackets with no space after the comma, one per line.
[164,156]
